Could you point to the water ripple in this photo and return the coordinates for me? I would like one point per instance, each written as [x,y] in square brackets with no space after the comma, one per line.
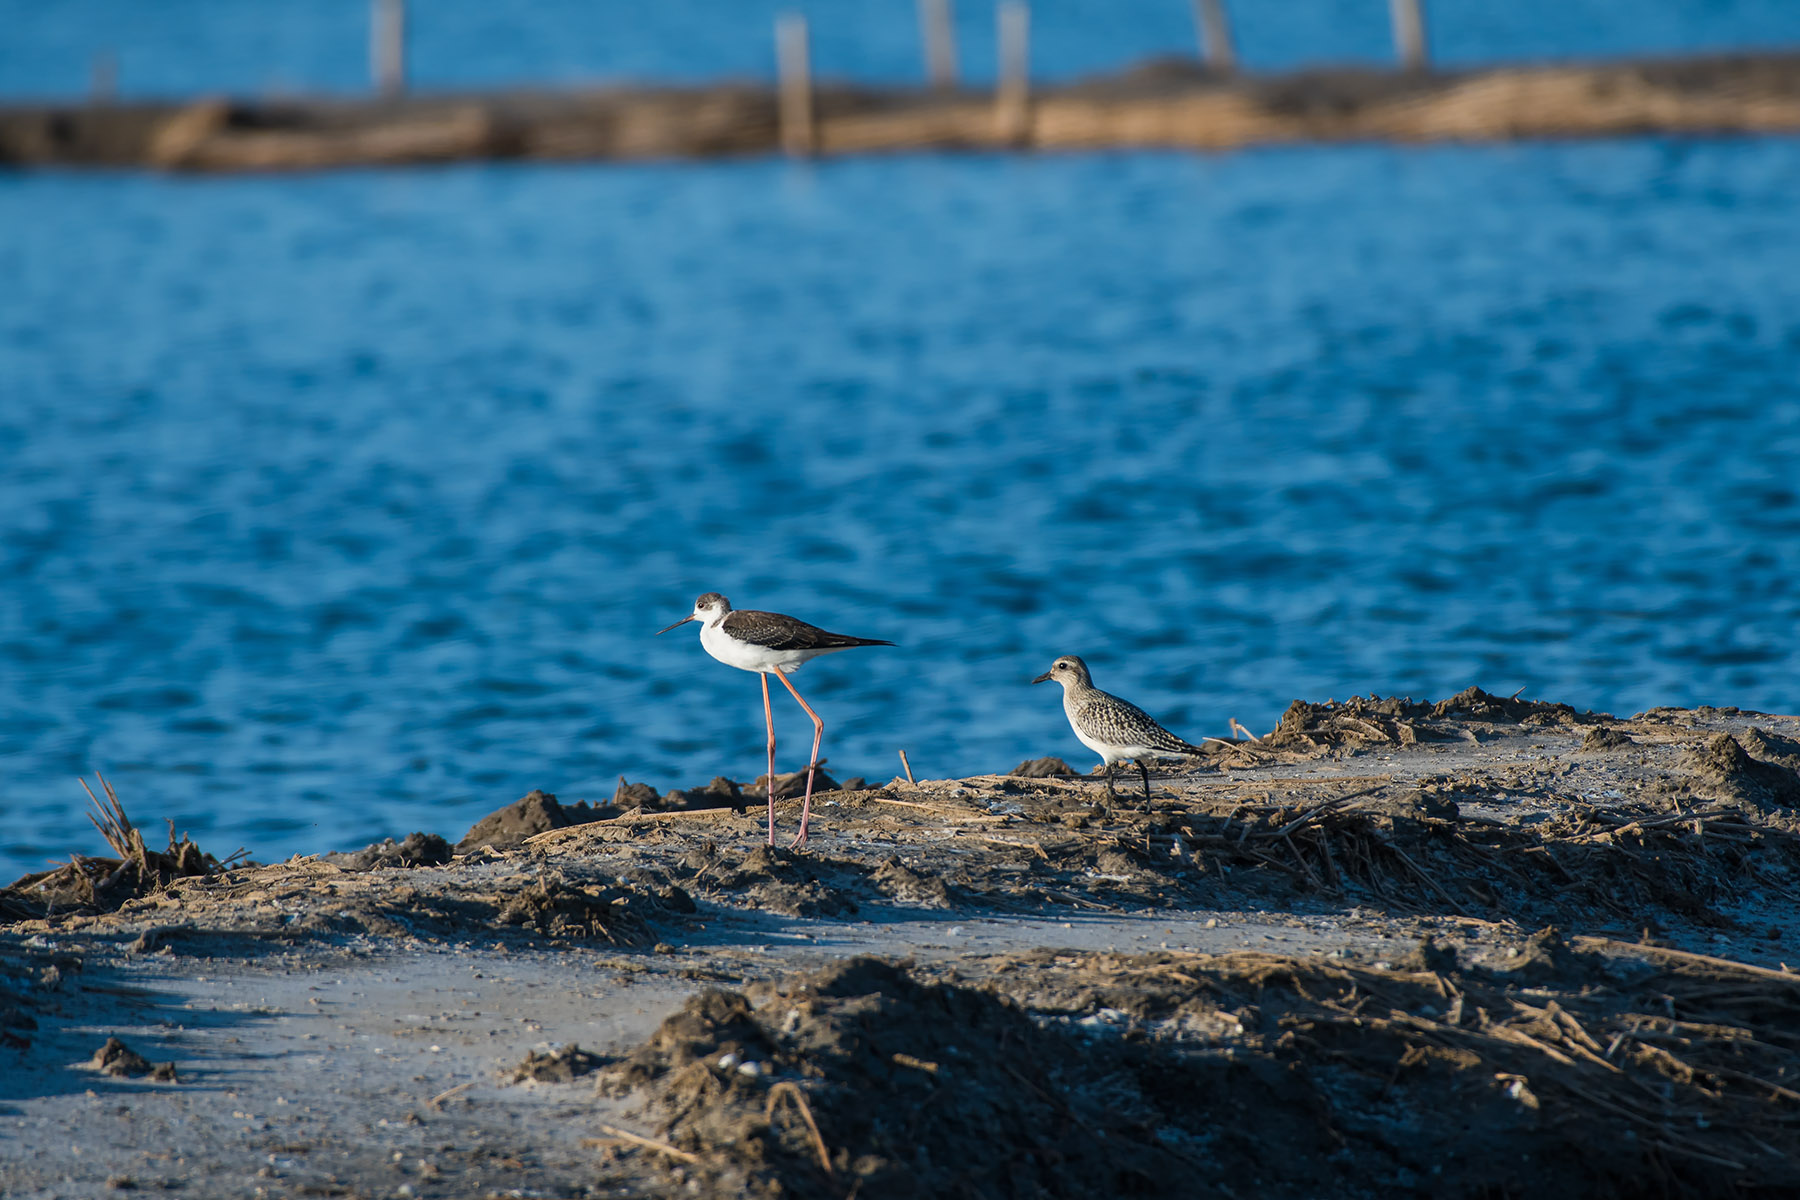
[354,508]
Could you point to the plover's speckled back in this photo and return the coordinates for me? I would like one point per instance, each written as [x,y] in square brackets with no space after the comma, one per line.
[1114,729]
[766,643]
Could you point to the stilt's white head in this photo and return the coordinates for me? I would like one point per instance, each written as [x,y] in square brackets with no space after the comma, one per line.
[709,609]
[1068,671]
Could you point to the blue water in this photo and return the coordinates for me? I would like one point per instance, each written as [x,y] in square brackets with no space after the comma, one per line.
[180,47]
[338,506]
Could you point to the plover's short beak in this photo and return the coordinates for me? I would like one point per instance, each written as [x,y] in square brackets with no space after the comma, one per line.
[1042,677]
[676,625]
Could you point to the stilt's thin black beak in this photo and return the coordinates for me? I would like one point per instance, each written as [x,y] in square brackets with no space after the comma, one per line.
[676,625]
[1042,677]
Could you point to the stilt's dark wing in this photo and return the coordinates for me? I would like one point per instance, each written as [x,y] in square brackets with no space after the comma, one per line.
[780,632]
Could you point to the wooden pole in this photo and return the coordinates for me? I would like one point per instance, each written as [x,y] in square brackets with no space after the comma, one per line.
[103,83]
[938,28]
[795,69]
[1012,95]
[1409,33]
[1216,47]
[387,46]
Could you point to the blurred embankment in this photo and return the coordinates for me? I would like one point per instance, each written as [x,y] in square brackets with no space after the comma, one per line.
[1163,103]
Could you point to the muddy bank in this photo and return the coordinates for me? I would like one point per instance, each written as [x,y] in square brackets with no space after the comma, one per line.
[1684,852]
[1164,103]
[1475,811]
[1318,961]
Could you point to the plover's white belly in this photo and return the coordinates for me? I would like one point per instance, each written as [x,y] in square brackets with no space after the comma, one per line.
[1112,752]
[1108,754]
[748,656]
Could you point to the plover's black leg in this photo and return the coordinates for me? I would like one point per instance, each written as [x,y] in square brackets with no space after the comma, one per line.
[1145,772]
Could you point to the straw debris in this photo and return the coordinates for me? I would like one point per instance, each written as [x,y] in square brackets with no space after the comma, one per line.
[103,884]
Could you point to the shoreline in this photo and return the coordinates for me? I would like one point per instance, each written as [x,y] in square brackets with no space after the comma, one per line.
[1160,104]
[351,1030]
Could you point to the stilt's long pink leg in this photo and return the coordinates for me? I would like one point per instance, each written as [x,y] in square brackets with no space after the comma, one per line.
[769,716]
[818,732]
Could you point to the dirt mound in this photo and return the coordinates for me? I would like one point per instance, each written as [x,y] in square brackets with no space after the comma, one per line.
[417,850]
[1373,720]
[1042,768]
[1724,771]
[1242,1074]
[1602,738]
[779,880]
[900,882]
[533,813]
[1772,747]
[97,884]
[793,785]
[572,911]
[117,1059]
[561,1065]
[720,793]
[628,796]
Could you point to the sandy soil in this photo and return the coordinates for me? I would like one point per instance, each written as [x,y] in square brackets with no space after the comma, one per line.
[1000,985]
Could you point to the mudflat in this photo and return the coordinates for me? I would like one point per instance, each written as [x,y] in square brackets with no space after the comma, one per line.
[1481,947]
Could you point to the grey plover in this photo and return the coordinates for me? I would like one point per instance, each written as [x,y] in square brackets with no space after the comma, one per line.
[1114,729]
[769,643]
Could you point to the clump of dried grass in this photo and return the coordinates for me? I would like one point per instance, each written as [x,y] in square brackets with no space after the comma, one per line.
[100,883]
